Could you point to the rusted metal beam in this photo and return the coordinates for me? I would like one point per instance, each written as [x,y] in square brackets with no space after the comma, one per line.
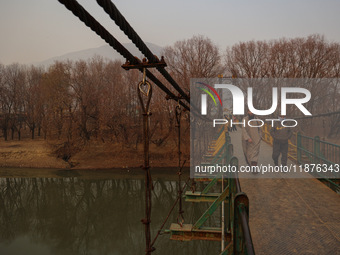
[201,197]
[144,64]
[187,233]
[179,97]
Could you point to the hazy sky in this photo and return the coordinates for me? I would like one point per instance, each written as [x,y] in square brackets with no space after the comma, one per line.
[35,30]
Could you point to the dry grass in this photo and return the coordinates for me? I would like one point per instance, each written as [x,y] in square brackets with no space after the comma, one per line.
[29,153]
[94,155]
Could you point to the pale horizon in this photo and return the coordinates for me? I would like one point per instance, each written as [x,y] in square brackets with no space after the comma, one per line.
[37,30]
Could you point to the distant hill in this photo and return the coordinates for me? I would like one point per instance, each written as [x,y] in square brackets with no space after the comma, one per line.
[105,51]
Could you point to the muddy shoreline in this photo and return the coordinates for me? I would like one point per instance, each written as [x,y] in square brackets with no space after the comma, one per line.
[39,154]
[168,173]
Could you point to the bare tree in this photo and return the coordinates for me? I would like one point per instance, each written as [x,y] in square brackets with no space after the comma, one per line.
[56,86]
[12,88]
[33,100]
[248,59]
[197,57]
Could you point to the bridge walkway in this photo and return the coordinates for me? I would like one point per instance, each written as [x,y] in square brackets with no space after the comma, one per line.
[289,215]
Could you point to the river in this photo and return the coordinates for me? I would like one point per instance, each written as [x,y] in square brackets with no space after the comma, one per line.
[99,212]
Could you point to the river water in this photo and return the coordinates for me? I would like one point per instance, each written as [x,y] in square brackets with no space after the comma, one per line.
[89,212]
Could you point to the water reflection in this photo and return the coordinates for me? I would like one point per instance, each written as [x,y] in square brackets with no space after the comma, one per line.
[82,216]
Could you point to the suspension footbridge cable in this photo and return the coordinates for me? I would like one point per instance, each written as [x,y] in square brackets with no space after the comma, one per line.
[92,23]
[124,25]
[120,20]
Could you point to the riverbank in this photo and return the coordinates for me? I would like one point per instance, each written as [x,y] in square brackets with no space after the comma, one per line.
[39,153]
[163,173]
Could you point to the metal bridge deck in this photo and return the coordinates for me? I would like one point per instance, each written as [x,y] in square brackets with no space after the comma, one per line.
[290,216]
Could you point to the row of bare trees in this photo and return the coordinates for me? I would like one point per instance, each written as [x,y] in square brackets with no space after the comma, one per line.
[97,99]
[75,100]
[310,57]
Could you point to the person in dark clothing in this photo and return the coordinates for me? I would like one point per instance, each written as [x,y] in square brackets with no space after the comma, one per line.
[228,119]
[280,135]
[234,126]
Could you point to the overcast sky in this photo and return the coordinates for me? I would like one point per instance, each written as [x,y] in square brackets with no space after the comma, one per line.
[35,30]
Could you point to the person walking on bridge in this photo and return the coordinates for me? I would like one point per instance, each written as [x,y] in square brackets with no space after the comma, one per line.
[251,139]
[280,135]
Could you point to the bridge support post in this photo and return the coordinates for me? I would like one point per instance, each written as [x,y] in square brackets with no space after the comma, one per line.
[298,147]
[241,209]
[316,150]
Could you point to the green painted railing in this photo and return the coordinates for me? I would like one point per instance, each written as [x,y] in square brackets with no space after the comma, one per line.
[312,150]
[237,237]
[237,206]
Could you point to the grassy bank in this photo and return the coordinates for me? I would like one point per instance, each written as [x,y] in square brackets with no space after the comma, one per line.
[39,153]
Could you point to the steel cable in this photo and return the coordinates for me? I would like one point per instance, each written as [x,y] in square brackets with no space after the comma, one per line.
[95,26]
[120,20]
